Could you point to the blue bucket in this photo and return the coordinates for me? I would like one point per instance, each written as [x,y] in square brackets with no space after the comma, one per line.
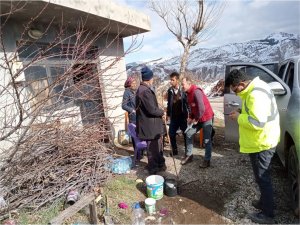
[155,186]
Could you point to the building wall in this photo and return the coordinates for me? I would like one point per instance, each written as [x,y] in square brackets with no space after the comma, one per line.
[111,80]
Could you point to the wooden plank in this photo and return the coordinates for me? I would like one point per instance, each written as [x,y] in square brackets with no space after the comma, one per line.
[93,213]
[73,209]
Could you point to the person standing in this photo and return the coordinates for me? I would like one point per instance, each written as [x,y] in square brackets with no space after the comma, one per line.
[259,134]
[201,116]
[149,122]
[177,111]
[128,102]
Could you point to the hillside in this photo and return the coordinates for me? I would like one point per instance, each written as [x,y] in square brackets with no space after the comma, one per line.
[209,64]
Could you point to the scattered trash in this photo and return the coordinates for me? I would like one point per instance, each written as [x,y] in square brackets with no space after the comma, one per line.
[150,205]
[123,137]
[72,197]
[180,200]
[151,218]
[100,197]
[170,187]
[138,215]
[183,211]
[139,181]
[123,205]
[2,202]
[163,212]
[121,165]
[9,222]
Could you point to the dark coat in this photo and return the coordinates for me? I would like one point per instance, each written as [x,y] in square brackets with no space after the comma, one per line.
[184,104]
[128,104]
[149,123]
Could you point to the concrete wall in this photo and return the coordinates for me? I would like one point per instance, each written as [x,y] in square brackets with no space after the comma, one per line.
[112,91]
[108,9]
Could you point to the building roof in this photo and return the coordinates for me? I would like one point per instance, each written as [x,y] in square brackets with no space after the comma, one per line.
[95,14]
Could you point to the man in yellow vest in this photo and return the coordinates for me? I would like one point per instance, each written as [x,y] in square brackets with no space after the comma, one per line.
[259,132]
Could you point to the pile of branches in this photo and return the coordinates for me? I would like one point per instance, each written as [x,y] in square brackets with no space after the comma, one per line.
[54,161]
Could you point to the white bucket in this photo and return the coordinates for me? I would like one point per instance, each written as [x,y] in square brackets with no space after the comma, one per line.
[150,205]
[155,186]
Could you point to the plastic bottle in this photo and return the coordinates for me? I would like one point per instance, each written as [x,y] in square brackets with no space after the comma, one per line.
[138,215]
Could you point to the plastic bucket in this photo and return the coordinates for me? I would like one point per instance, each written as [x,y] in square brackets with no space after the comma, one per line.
[170,187]
[150,205]
[155,186]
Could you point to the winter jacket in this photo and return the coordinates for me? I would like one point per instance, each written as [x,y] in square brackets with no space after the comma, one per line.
[184,105]
[259,127]
[149,124]
[128,104]
[199,105]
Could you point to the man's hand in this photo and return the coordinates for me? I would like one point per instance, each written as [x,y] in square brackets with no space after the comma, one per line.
[234,115]
[190,121]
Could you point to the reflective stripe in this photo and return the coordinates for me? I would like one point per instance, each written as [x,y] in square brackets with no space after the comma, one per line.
[256,122]
[274,111]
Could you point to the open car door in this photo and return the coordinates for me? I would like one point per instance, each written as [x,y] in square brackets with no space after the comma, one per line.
[233,102]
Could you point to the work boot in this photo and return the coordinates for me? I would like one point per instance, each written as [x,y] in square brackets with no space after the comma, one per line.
[205,164]
[256,204]
[187,160]
[261,218]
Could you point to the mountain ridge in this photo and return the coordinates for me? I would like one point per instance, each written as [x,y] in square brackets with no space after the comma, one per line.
[208,64]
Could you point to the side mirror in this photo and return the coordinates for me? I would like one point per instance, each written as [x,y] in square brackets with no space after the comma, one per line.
[277,88]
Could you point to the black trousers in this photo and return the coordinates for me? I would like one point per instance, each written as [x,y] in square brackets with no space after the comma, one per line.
[155,156]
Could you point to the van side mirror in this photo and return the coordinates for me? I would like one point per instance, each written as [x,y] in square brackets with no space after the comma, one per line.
[277,88]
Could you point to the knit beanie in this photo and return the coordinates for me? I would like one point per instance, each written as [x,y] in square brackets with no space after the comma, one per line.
[147,74]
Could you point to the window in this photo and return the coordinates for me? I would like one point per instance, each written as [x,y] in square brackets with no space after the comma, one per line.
[281,71]
[54,84]
[253,72]
[289,78]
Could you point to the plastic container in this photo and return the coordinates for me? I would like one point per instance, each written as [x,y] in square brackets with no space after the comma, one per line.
[72,197]
[121,165]
[170,187]
[138,215]
[150,205]
[155,188]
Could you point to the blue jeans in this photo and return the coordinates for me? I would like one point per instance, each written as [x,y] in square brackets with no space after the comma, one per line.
[174,125]
[261,168]
[207,129]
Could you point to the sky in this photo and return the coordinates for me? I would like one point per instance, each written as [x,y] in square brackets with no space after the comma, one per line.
[241,21]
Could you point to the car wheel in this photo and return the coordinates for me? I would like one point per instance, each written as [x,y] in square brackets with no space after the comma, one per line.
[293,175]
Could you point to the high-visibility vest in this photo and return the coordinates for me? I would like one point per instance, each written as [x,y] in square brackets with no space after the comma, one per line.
[259,127]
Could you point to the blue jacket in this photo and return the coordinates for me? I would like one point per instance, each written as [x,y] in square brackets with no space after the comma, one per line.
[128,104]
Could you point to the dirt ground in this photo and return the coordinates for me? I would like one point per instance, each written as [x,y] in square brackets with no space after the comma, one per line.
[219,194]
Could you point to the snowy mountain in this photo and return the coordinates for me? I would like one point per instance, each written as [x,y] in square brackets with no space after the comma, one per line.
[209,64]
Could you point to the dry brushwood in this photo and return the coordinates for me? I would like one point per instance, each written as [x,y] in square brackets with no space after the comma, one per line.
[53,164]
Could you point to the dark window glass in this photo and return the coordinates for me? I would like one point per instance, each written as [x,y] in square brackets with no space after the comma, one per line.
[289,79]
[47,51]
[281,71]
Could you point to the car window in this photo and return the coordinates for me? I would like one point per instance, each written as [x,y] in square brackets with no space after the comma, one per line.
[281,71]
[253,72]
[289,78]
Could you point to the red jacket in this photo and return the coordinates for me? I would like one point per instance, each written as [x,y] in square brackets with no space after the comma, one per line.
[200,111]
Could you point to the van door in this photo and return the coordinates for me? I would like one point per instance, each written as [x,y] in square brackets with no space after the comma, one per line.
[233,102]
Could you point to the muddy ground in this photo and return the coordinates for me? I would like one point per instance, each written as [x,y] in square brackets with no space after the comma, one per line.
[221,193]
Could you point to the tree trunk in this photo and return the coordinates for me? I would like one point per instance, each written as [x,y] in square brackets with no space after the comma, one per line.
[184,59]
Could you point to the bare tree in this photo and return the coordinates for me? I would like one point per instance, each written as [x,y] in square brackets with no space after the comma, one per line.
[190,21]
[54,127]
